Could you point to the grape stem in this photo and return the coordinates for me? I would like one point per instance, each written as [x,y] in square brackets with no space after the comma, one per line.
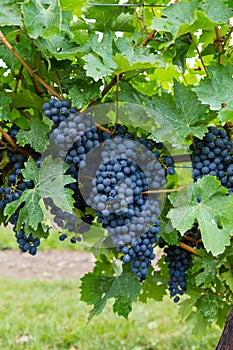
[27,67]
[12,143]
[188,248]
[149,37]
[199,53]
[167,190]
[219,43]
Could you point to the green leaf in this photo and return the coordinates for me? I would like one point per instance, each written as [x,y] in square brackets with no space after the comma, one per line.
[185,17]
[61,47]
[226,113]
[42,19]
[48,182]
[175,16]
[205,267]
[100,285]
[95,68]
[36,136]
[213,213]
[228,278]
[130,58]
[4,106]
[109,17]
[31,213]
[217,89]
[52,183]
[155,285]
[26,99]
[216,10]
[82,94]
[73,5]
[10,14]
[178,114]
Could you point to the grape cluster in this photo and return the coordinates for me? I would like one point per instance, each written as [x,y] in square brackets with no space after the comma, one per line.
[26,243]
[119,193]
[15,183]
[178,260]
[213,155]
[57,111]
[112,184]
[178,263]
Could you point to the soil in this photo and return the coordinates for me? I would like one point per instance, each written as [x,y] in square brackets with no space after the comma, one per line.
[46,265]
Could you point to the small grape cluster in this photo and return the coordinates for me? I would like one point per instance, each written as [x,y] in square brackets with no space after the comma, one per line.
[15,184]
[178,263]
[213,155]
[26,243]
[178,260]
[57,111]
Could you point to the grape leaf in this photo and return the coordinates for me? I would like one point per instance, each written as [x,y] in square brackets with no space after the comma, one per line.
[155,285]
[4,106]
[36,136]
[217,89]
[31,212]
[41,19]
[226,113]
[48,182]
[52,183]
[177,112]
[26,99]
[10,14]
[100,285]
[185,17]
[205,268]
[58,46]
[130,58]
[216,10]
[95,68]
[101,48]
[109,17]
[213,213]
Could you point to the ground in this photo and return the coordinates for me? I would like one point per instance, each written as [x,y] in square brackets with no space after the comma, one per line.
[46,265]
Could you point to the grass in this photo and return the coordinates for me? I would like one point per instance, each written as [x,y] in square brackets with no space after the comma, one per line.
[39,315]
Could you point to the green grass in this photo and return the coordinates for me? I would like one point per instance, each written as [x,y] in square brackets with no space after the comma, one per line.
[8,241]
[51,317]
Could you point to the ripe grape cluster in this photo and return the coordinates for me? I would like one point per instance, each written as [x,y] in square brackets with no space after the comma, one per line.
[124,206]
[26,243]
[213,155]
[57,110]
[178,260]
[112,182]
[15,183]
[13,188]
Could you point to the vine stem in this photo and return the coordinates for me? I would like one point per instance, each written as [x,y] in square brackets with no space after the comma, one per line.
[27,67]
[167,190]
[149,37]
[188,248]
[219,43]
[12,143]
[199,54]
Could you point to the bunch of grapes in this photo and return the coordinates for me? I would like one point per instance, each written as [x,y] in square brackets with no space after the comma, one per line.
[117,188]
[57,111]
[213,155]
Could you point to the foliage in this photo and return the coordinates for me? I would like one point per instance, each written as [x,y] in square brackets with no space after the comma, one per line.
[175,60]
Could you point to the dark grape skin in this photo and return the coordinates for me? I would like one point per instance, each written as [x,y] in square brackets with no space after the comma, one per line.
[140,253]
[213,156]
[178,263]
